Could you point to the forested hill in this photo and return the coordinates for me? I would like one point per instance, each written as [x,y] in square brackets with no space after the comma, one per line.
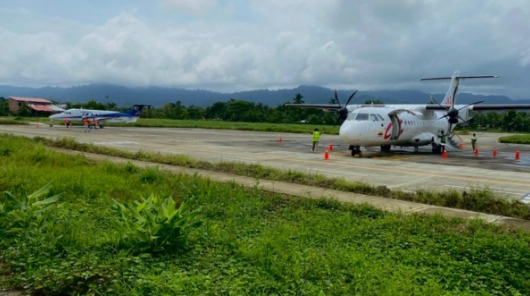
[124,96]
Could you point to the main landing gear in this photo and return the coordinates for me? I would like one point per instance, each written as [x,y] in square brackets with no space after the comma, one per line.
[437,148]
[385,148]
[355,150]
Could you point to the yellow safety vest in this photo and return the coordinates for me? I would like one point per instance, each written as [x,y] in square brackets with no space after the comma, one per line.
[316,136]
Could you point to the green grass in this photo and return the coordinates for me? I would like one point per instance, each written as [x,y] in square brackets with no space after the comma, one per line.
[479,200]
[208,124]
[516,139]
[250,243]
[219,124]
[12,120]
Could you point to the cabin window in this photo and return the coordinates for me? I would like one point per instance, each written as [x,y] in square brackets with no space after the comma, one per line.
[361,117]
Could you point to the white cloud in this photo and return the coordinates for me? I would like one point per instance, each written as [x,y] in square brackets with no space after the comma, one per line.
[190,6]
[274,43]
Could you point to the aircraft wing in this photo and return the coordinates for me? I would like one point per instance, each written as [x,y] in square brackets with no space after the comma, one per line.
[316,106]
[102,119]
[487,107]
[484,107]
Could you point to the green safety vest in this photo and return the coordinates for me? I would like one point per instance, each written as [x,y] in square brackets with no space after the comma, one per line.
[442,139]
[474,139]
[316,136]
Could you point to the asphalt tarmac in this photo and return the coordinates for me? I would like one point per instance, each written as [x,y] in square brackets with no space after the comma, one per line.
[402,168]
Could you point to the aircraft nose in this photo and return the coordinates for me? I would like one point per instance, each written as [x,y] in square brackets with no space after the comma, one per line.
[349,133]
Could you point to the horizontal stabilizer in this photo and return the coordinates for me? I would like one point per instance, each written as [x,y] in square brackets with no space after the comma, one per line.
[459,77]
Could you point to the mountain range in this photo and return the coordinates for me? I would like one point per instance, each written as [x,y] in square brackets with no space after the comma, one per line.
[158,96]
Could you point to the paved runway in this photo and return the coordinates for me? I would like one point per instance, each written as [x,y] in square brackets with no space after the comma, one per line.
[402,169]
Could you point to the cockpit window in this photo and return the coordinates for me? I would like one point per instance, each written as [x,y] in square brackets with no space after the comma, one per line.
[361,117]
[380,117]
[352,116]
[373,117]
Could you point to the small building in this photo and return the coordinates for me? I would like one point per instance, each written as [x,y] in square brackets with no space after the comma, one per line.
[37,105]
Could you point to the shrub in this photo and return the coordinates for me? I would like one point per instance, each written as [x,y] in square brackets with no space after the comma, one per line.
[154,224]
[28,211]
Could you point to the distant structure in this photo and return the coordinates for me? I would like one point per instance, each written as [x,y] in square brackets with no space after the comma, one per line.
[37,105]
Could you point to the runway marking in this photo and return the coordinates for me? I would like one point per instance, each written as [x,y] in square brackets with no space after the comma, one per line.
[409,182]
[500,191]
[337,171]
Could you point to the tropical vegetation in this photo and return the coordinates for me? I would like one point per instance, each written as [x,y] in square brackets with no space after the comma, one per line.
[69,225]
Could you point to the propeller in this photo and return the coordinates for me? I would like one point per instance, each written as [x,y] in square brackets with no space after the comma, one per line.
[343,111]
[452,112]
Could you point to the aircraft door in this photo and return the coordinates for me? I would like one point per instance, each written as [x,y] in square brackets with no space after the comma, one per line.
[396,127]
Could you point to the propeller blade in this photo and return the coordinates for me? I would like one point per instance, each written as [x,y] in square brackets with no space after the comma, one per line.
[349,99]
[337,122]
[475,103]
[337,98]
[438,104]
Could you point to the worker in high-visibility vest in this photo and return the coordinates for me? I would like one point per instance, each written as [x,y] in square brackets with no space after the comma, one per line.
[474,141]
[87,128]
[94,123]
[316,139]
[66,122]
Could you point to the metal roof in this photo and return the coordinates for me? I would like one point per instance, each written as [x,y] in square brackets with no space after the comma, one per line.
[38,107]
[34,100]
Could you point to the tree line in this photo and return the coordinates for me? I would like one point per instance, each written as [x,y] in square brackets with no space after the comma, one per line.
[245,111]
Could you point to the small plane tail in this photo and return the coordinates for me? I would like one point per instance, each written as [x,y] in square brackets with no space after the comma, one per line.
[137,109]
[450,96]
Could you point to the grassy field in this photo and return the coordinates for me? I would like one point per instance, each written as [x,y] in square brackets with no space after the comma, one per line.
[480,200]
[516,139]
[249,242]
[209,124]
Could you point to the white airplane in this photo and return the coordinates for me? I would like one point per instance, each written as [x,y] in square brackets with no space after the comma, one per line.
[406,125]
[102,116]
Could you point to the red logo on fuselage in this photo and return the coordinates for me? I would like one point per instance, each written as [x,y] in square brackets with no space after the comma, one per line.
[387,136]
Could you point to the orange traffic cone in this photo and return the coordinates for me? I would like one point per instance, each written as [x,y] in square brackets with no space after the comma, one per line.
[280,140]
[326,155]
[517,155]
[444,154]
[476,151]
[460,146]
[330,146]
[494,151]
[38,124]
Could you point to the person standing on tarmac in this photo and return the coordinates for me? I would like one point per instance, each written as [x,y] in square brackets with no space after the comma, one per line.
[87,128]
[474,141]
[316,139]
[94,123]
[443,138]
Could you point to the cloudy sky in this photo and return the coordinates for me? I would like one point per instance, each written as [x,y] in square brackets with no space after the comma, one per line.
[230,45]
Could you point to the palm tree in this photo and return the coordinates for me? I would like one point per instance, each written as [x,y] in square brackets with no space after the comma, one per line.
[298,99]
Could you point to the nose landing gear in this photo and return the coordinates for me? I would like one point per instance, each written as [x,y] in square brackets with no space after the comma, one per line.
[355,150]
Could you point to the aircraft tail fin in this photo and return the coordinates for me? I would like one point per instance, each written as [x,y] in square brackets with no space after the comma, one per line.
[450,96]
[137,109]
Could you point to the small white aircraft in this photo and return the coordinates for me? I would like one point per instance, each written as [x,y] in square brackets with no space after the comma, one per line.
[101,116]
[407,125]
